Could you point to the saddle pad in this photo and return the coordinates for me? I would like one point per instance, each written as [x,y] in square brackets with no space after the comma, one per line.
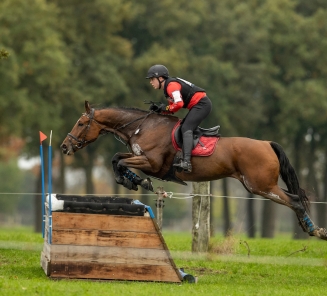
[209,144]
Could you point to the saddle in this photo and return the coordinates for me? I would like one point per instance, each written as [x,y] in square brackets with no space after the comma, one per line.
[204,143]
[197,134]
[204,140]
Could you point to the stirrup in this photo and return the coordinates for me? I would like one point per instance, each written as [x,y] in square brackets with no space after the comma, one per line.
[185,165]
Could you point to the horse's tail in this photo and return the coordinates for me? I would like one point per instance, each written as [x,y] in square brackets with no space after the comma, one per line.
[289,176]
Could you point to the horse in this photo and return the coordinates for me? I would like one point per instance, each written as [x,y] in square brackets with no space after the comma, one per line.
[257,164]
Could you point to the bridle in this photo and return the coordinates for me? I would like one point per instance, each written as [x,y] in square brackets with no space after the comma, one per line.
[83,142]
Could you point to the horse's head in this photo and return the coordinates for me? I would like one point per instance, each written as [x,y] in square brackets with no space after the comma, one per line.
[85,131]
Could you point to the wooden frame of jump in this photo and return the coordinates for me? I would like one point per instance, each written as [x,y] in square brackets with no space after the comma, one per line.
[106,247]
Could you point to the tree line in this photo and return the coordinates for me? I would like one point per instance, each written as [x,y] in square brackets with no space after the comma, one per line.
[262,62]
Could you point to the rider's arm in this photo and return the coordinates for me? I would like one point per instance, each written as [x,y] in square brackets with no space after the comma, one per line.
[175,101]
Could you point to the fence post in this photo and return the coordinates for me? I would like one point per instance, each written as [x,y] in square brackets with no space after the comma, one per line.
[160,205]
[201,216]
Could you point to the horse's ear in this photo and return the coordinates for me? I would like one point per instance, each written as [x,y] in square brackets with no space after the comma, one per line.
[87,107]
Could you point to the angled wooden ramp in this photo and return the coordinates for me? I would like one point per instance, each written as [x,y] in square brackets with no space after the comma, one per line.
[107,247]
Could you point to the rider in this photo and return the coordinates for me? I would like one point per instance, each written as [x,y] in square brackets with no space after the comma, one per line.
[181,94]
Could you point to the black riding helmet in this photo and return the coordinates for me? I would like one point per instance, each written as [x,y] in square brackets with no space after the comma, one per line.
[158,71]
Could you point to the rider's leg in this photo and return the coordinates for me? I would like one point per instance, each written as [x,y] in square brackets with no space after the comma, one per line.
[192,120]
[185,163]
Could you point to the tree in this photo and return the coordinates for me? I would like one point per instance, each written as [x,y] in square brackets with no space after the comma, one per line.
[12,179]
[4,54]
[297,91]
[98,57]
[30,78]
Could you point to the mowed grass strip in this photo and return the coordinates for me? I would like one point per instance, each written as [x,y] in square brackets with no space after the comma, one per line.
[274,267]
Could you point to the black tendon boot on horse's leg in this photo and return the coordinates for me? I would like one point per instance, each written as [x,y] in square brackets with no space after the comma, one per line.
[127,178]
[136,180]
[185,163]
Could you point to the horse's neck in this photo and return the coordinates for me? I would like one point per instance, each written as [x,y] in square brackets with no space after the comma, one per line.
[112,117]
[122,120]
[116,118]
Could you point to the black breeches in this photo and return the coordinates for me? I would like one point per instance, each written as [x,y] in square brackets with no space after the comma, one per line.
[197,113]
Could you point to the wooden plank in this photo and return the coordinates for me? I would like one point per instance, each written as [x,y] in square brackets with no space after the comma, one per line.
[167,250]
[47,249]
[101,222]
[115,255]
[107,247]
[84,270]
[106,238]
[45,264]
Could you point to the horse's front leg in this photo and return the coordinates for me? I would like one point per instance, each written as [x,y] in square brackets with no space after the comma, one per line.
[120,172]
[125,176]
[141,163]
[116,158]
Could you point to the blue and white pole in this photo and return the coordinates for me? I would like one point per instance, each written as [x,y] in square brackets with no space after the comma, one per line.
[42,138]
[50,188]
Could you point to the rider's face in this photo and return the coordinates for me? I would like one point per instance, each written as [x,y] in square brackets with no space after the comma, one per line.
[154,82]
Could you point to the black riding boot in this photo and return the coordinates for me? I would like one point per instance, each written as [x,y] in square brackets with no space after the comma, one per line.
[185,163]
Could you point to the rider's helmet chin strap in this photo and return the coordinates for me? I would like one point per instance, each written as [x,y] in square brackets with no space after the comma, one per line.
[160,82]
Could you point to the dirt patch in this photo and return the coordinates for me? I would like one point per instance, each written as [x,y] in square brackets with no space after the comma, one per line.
[204,271]
[226,247]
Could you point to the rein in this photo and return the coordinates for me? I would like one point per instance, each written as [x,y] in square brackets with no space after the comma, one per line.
[127,124]
[81,143]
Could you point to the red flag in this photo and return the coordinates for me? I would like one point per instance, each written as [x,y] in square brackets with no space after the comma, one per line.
[42,137]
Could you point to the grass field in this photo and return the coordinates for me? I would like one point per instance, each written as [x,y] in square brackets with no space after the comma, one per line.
[235,266]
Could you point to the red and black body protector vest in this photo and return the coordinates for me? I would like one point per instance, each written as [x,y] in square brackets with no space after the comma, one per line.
[188,89]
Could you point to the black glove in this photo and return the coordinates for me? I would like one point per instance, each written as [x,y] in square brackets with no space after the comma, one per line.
[158,108]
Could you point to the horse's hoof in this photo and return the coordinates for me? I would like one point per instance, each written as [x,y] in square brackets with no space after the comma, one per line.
[319,232]
[147,184]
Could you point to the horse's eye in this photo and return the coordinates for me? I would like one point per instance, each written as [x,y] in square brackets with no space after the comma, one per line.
[80,124]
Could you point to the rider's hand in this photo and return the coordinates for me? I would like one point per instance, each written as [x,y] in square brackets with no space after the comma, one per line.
[154,108]
[159,108]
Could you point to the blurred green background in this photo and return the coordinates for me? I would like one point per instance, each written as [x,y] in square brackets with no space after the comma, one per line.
[263,63]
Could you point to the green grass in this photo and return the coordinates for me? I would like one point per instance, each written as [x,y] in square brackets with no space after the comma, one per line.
[274,267]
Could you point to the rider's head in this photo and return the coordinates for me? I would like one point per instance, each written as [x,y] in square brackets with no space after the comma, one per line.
[157,74]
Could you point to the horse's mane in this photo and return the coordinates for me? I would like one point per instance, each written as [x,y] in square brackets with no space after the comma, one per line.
[123,108]
[132,109]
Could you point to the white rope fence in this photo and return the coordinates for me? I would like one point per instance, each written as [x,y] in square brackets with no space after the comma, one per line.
[191,195]
[170,195]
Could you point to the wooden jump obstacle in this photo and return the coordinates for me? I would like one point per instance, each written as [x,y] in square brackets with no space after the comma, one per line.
[104,238]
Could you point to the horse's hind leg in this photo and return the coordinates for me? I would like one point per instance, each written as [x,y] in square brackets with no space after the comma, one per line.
[292,201]
[272,162]
[304,220]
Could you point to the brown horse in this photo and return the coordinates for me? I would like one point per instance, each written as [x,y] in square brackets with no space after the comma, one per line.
[256,164]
